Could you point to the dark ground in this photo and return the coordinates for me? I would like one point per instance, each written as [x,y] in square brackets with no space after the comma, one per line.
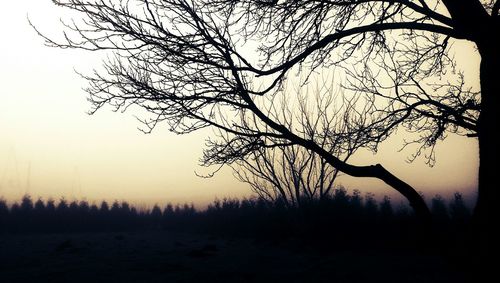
[180,257]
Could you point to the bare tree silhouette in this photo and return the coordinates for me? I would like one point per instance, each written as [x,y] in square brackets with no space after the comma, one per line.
[186,62]
[293,173]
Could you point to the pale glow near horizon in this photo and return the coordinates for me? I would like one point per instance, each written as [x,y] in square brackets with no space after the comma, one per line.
[49,146]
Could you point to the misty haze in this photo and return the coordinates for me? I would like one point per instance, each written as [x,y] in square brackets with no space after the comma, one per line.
[248,141]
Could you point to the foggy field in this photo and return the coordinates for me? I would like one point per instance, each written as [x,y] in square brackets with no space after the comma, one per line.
[340,239]
[179,257]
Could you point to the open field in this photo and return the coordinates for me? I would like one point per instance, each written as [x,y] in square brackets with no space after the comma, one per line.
[180,257]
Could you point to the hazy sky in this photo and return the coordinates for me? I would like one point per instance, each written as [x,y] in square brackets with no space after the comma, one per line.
[49,146]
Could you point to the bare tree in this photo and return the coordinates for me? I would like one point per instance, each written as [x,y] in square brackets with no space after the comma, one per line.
[186,62]
[292,173]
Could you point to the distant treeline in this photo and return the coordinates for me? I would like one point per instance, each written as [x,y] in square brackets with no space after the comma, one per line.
[342,214]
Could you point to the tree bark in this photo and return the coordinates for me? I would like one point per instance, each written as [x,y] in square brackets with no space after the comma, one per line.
[475,24]
[489,152]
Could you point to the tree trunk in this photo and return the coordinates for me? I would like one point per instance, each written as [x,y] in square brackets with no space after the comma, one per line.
[489,156]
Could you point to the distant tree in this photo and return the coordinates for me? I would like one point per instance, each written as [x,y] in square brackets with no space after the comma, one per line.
[115,207]
[341,197]
[25,214]
[104,208]
[74,207]
[26,204]
[371,207]
[4,215]
[386,208]
[83,216]
[39,206]
[40,217]
[155,215]
[74,217]
[214,206]
[4,209]
[247,204]
[229,204]
[94,209]
[125,208]
[356,202]
[168,215]
[15,208]
[63,216]
[94,217]
[189,209]
[169,210]
[458,210]
[62,206]
[438,208]
[15,217]
[84,207]
[50,207]
[133,212]
[104,216]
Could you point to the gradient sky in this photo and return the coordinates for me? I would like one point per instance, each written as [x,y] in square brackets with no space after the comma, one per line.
[49,146]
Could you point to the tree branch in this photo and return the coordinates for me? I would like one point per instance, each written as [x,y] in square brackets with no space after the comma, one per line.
[355,31]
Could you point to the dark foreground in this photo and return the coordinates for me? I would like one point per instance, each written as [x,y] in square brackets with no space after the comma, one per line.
[181,257]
